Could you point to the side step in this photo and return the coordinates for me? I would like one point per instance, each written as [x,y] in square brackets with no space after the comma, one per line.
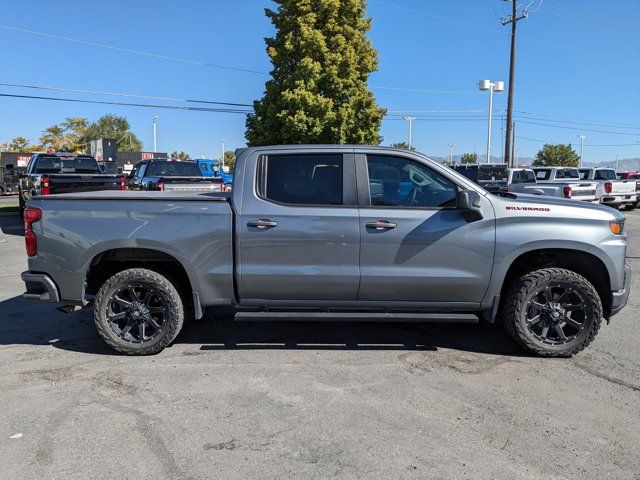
[358,317]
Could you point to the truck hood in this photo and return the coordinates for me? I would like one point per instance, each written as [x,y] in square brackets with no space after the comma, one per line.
[525,199]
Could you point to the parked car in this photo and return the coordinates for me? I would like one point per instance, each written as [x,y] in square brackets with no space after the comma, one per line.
[563,182]
[611,191]
[326,232]
[56,173]
[9,180]
[212,168]
[172,175]
[519,177]
[493,177]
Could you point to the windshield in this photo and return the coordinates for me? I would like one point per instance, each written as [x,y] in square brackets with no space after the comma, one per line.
[173,169]
[67,165]
[493,173]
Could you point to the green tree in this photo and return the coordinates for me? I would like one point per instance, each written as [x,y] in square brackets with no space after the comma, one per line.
[18,144]
[318,92]
[556,155]
[54,137]
[181,155]
[230,160]
[469,158]
[75,132]
[404,145]
[113,126]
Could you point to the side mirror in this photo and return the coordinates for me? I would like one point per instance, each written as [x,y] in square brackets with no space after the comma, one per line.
[468,202]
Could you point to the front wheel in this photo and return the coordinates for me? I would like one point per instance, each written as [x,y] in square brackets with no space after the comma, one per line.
[552,312]
[138,312]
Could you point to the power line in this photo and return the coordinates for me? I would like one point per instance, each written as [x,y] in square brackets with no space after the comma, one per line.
[127,104]
[592,14]
[576,118]
[580,128]
[130,50]
[117,94]
[422,90]
[637,144]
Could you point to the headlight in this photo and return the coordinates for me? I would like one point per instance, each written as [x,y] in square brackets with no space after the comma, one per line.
[616,226]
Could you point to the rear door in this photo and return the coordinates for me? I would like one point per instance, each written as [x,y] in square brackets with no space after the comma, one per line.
[416,246]
[297,229]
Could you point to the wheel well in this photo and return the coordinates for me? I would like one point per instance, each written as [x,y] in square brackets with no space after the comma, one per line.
[110,262]
[585,264]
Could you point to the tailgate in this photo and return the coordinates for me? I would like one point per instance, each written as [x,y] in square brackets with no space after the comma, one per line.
[623,187]
[192,184]
[66,183]
[583,191]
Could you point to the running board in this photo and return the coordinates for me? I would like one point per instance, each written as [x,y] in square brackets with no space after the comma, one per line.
[359,317]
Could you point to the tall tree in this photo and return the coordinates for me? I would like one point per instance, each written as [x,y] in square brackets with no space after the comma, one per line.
[113,126]
[469,158]
[404,145]
[318,92]
[556,155]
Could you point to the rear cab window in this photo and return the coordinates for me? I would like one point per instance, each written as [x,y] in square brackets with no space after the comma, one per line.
[56,164]
[605,174]
[172,169]
[543,173]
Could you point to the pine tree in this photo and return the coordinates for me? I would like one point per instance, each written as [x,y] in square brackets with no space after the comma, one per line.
[318,92]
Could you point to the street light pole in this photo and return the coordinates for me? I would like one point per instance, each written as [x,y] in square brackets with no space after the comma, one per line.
[155,133]
[222,161]
[410,120]
[582,137]
[491,86]
[451,145]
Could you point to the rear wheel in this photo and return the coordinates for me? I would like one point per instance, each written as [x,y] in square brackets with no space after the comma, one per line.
[552,312]
[138,312]
[631,206]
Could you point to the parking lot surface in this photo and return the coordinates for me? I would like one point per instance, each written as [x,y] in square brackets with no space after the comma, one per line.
[300,400]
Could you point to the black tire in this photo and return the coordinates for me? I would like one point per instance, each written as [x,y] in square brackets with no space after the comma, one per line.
[164,309]
[632,206]
[578,323]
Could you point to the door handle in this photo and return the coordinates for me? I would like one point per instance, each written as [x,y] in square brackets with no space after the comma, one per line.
[262,223]
[381,225]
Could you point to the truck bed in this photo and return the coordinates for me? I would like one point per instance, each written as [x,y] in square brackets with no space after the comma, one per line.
[193,228]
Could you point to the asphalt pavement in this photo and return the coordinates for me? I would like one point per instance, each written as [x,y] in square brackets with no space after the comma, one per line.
[299,400]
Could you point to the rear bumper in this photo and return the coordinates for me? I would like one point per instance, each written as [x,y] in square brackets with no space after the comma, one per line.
[619,199]
[619,298]
[40,287]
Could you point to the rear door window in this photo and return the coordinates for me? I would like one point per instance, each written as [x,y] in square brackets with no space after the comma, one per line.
[172,169]
[302,179]
[543,174]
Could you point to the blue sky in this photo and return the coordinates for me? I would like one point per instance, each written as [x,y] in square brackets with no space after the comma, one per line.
[576,58]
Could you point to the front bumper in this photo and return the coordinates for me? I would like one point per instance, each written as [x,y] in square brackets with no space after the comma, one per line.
[619,298]
[40,287]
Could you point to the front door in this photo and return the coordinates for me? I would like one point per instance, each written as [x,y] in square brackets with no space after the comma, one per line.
[416,247]
[298,230]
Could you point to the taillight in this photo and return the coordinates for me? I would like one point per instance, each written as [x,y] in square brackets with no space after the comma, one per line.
[161,186]
[608,186]
[123,183]
[222,187]
[567,192]
[31,215]
[46,189]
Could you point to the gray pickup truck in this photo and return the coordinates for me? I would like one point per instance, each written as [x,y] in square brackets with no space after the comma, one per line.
[331,232]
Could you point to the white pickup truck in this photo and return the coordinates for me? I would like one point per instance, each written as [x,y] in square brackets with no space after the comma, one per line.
[611,191]
[560,182]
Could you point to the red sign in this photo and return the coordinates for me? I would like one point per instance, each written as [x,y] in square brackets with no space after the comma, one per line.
[146,155]
[22,160]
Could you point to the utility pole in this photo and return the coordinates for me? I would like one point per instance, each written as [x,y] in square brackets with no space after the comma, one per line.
[513,20]
[513,142]
[582,137]
[222,161]
[155,133]
[410,120]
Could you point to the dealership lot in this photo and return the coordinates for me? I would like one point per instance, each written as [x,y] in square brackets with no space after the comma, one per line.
[269,400]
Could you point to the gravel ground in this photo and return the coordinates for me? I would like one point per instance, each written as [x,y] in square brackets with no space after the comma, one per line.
[311,400]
